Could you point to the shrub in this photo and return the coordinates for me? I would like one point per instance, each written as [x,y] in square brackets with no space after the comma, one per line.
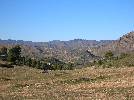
[109,55]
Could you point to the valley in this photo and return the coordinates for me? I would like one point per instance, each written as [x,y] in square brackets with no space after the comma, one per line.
[73,70]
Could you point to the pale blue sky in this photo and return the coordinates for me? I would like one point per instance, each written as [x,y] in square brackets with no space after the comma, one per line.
[45,20]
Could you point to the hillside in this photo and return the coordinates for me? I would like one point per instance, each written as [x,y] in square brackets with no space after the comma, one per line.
[124,44]
[110,78]
[67,51]
[73,50]
[21,83]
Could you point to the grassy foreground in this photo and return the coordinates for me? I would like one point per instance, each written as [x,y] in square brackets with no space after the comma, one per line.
[21,83]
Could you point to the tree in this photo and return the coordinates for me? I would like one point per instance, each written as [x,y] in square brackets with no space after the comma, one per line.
[34,63]
[3,53]
[29,62]
[109,55]
[23,60]
[38,65]
[14,54]
[100,62]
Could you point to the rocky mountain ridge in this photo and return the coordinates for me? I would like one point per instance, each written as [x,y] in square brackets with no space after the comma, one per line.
[67,51]
[124,44]
[73,50]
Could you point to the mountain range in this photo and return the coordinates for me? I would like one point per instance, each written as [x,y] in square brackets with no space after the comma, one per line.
[73,50]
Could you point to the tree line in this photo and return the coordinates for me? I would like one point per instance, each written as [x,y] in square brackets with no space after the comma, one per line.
[13,55]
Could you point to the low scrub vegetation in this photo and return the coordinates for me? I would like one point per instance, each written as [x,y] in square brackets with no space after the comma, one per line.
[110,60]
[87,83]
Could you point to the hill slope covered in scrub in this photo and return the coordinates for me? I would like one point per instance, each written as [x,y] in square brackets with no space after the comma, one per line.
[67,51]
[87,83]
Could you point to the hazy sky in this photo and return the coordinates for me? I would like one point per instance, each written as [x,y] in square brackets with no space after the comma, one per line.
[44,20]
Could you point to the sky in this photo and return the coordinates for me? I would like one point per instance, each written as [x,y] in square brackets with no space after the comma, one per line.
[47,20]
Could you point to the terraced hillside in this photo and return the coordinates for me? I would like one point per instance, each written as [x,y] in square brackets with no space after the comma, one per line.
[21,83]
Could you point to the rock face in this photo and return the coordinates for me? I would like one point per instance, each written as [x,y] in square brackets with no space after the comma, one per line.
[123,45]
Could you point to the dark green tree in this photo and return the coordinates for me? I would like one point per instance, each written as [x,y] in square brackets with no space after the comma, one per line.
[38,65]
[23,61]
[3,53]
[29,62]
[100,62]
[34,63]
[14,55]
[109,55]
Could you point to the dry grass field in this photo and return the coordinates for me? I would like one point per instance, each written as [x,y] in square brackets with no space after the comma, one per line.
[21,83]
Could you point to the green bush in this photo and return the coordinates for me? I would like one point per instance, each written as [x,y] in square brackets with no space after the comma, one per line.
[109,55]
